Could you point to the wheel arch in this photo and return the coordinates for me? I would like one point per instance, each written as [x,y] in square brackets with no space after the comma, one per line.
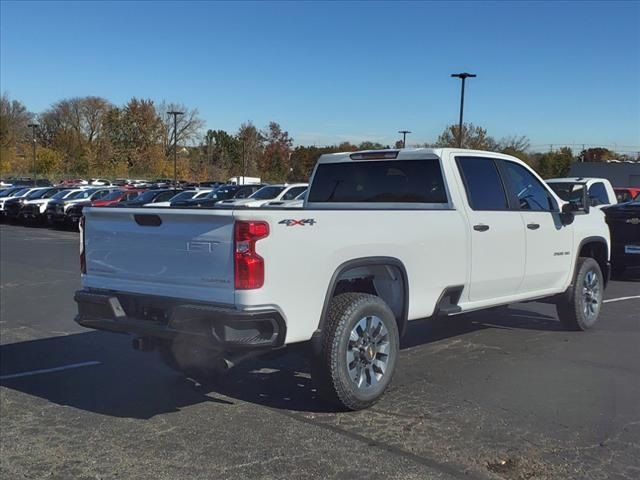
[374,265]
[595,247]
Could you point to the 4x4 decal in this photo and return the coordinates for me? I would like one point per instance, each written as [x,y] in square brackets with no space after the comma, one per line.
[290,222]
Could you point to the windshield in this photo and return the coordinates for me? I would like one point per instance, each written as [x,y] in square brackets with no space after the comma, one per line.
[60,194]
[147,197]
[116,194]
[10,191]
[267,193]
[569,192]
[184,195]
[37,194]
[222,192]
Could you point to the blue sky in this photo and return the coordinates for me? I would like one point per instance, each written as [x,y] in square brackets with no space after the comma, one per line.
[558,72]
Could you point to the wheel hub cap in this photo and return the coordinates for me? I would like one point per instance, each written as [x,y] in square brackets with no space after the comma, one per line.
[591,295]
[368,352]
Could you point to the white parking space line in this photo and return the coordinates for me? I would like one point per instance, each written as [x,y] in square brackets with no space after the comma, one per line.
[49,370]
[621,298]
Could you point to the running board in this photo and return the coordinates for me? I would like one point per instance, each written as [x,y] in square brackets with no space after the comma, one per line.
[448,301]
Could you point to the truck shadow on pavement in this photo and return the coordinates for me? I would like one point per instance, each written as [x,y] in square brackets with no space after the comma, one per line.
[130,384]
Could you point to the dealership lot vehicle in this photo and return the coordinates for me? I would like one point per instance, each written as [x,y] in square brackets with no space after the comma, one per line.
[624,223]
[207,283]
[11,206]
[221,193]
[265,195]
[471,392]
[626,194]
[34,210]
[180,197]
[297,202]
[150,196]
[57,210]
[599,190]
[117,196]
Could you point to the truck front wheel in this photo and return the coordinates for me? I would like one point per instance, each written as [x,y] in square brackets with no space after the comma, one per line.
[358,351]
[581,309]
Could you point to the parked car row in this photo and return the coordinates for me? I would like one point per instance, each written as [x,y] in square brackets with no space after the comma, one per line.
[63,205]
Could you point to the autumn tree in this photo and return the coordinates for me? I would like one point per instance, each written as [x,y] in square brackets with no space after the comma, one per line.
[189,125]
[251,147]
[555,164]
[473,137]
[14,132]
[274,161]
[598,154]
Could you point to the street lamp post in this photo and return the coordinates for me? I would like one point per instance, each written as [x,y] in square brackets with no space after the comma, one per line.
[244,164]
[33,127]
[462,76]
[175,146]
[404,137]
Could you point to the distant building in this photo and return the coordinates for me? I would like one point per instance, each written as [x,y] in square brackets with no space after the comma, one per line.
[620,174]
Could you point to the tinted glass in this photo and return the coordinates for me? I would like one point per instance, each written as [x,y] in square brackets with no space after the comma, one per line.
[163,197]
[60,194]
[184,195]
[598,194]
[531,193]
[245,192]
[569,192]
[396,181]
[293,193]
[482,183]
[623,195]
[267,193]
[147,197]
[114,195]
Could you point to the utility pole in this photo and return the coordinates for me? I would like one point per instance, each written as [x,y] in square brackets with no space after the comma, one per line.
[34,126]
[175,146]
[404,137]
[462,76]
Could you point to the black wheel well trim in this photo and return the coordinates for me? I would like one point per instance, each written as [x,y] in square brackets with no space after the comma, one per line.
[368,262]
[586,241]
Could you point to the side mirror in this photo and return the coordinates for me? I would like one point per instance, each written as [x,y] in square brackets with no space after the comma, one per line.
[566,214]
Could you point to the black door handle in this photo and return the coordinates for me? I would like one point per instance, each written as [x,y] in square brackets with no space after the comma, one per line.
[533,226]
[481,228]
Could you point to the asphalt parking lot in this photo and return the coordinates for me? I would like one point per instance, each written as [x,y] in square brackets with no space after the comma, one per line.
[502,394]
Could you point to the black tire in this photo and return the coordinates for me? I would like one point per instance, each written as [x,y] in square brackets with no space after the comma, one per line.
[581,309]
[331,370]
[194,361]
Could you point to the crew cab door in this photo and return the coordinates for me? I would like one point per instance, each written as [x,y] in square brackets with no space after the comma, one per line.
[497,233]
[548,241]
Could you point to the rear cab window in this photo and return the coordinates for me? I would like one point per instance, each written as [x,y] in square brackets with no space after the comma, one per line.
[409,182]
[482,183]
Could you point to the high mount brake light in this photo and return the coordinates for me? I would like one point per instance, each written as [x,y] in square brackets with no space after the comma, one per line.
[381,155]
[248,265]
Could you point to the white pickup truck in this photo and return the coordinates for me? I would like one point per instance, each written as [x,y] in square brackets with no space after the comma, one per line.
[384,238]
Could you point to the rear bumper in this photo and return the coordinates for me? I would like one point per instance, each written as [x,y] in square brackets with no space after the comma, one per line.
[168,318]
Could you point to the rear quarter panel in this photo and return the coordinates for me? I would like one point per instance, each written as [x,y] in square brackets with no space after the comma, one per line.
[301,259]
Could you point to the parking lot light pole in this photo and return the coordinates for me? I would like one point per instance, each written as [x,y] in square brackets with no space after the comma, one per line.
[34,126]
[175,146]
[462,76]
[404,137]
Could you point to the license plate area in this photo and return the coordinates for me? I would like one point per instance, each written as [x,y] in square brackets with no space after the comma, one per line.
[632,249]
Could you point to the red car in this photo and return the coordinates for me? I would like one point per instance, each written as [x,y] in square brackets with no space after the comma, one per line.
[117,196]
[626,194]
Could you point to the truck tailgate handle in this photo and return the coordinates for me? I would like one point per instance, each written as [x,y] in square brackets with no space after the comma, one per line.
[146,220]
[533,226]
[481,227]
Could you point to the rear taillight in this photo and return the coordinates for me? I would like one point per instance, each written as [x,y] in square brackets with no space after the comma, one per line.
[249,266]
[83,258]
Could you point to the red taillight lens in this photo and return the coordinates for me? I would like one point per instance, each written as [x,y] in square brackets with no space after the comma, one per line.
[83,258]
[249,266]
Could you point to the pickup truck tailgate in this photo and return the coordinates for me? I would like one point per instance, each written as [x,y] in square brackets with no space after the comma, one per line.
[172,253]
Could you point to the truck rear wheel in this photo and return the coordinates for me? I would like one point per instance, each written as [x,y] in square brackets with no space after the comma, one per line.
[199,363]
[582,308]
[358,351]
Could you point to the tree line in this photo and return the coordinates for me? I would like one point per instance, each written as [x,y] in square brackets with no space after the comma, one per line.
[91,137]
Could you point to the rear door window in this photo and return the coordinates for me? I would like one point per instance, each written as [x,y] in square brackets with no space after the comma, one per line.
[482,183]
[394,181]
